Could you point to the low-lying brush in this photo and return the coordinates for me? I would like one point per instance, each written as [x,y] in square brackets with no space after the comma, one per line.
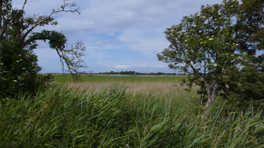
[62,117]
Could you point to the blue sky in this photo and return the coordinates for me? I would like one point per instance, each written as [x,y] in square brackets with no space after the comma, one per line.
[119,35]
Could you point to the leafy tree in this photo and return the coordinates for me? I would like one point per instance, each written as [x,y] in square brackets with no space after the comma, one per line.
[207,44]
[18,63]
[247,85]
[247,81]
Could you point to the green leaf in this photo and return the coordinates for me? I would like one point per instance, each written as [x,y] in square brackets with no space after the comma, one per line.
[259,129]
[157,126]
[176,127]
[196,140]
[204,141]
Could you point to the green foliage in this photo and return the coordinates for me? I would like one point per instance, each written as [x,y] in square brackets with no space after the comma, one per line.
[220,37]
[246,84]
[18,67]
[18,63]
[112,118]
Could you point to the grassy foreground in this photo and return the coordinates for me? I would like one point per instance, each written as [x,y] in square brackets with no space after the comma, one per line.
[112,117]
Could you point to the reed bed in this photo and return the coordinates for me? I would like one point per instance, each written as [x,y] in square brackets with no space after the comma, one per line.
[154,88]
[111,117]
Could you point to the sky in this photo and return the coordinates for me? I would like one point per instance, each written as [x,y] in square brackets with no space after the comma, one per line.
[119,35]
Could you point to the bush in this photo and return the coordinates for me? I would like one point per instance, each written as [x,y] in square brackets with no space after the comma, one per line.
[244,85]
[18,71]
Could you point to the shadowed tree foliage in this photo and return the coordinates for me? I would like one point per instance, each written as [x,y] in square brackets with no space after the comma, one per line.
[217,39]
[18,39]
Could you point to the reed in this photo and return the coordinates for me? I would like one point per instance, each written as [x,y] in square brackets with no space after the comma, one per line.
[112,117]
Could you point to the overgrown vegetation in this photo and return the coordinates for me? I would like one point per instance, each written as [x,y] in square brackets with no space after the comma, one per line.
[73,118]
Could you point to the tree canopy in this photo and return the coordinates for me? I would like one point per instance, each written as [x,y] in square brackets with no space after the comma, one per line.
[18,39]
[218,38]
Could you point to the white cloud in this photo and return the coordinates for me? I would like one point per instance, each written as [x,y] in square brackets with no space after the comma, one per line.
[160,66]
[144,41]
[122,66]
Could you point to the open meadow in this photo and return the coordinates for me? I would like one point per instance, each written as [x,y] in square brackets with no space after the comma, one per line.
[125,111]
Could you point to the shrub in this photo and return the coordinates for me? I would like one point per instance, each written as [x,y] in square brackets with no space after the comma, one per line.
[244,84]
[18,71]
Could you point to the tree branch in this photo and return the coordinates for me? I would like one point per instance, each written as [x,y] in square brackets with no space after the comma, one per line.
[24,5]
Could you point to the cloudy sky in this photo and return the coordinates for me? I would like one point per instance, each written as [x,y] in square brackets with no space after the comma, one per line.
[119,35]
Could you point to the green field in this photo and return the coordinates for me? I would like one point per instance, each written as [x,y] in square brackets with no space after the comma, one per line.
[119,78]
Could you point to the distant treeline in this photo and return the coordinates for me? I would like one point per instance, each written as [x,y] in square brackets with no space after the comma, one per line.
[127,73]
[138,73]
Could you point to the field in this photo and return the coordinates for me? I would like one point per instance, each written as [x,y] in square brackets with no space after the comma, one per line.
[133,84]
[128,112]
[119,78]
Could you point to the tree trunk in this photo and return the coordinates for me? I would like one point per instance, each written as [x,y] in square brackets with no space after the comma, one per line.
[212,93]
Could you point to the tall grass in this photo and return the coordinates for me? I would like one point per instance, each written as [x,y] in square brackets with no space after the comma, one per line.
[62,117]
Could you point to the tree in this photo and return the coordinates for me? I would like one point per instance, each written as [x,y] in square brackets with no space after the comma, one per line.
[246,84]
[206,44]
[18,63]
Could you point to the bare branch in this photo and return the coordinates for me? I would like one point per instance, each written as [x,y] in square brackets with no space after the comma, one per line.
[74,62]
[24,5]
[64,8]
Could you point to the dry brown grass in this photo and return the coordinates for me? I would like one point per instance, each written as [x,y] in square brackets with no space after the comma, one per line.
[132,87]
